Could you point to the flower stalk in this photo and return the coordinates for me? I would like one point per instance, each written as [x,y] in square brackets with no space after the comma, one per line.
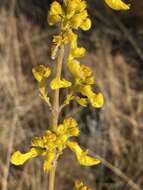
[71,15]
[56,110]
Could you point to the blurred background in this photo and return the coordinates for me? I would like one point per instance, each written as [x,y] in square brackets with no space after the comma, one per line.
[113,133]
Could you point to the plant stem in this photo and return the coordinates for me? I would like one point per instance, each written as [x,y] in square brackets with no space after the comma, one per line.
[56,110]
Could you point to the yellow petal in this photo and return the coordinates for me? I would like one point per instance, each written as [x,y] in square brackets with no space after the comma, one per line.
[75,147]
[78,19]
[56,8]
[61,129]
[82,101]
[78,52]
[55,13]
[74,67]
[74,6]
[86,25]
[71,8]
[58,83]
[68,128]
[97,100]
[81,155]
[41,72]
[117,4]
[71,125]
[19,158]
[72,38]
[87,75]
[70,122]
[53,19]
[38,142]
[68,99]
[87,160]
[48,161]
[86,90]
[79,185]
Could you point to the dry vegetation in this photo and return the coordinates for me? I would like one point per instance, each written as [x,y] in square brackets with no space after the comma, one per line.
[115,133]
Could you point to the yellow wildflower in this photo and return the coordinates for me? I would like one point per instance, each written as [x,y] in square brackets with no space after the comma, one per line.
[18,158]
[57,83]
[84,80]
[82,101]
[80,186]
[68,99]
[73,16]
[51,145]
[49,161]
[55,13]
[74,6]
[81,155]
[96,100]
[117,4]
[86,25]
[41,74]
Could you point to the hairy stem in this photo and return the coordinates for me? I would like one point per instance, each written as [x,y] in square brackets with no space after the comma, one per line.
[56,110]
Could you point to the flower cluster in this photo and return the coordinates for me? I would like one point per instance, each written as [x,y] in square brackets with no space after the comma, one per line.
[83,77]
[52,144]
[73,15]
[70,15]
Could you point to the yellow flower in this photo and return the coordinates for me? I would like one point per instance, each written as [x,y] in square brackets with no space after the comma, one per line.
[81,155]
[49,161]
[117,4]
[68,99]
[55,13]
[77,52]
[18,158]
[79,185]
[68,128]
[96,100]
[74,6]
[72,16]
[78,19]
[56,8]
[86,24]
[51,145]
[82,101]
[57,83]
[84,80]
[41,72]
